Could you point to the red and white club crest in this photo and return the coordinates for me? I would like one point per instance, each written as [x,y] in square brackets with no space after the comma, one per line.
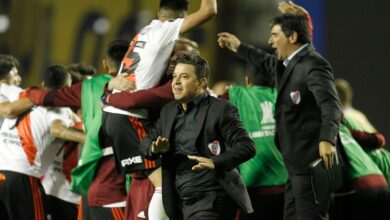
[214,147]
[295,97]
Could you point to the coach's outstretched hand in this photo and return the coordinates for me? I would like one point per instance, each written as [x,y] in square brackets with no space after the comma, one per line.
[229,41]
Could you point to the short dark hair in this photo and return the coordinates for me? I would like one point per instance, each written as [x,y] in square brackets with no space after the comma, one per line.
[175,5]
[5,68]
[83,69]
[11,59]
[55,77]
[117,50]
[80,71]
[201,66]
[290,23]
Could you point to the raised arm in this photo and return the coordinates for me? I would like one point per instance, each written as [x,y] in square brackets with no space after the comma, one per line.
[264,62]
[246,52]
[229,41]
[207,10]
[291,8]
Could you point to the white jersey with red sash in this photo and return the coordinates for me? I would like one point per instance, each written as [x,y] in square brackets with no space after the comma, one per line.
[24,139]
[56,179]
[147,58]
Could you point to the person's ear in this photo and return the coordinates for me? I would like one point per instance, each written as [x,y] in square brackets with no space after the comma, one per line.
[293,37]
[203,82]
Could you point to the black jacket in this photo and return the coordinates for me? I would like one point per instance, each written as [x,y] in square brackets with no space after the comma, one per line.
[307,105]
[216,120]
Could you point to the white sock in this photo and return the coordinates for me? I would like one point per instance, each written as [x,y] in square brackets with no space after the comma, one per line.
[156,209]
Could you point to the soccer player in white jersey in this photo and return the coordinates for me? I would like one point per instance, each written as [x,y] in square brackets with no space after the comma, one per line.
[145,63]
[23,140]
[62,202]
[8,75]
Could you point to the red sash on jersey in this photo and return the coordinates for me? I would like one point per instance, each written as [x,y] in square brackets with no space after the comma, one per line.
[25,135]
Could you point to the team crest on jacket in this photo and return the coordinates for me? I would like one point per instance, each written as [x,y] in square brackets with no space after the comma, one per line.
[214,147]
[295,97]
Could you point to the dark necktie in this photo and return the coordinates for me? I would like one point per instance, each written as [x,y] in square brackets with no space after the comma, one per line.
[279,71]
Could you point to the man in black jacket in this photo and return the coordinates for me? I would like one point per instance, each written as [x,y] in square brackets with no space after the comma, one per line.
[307,107]
[201,141]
